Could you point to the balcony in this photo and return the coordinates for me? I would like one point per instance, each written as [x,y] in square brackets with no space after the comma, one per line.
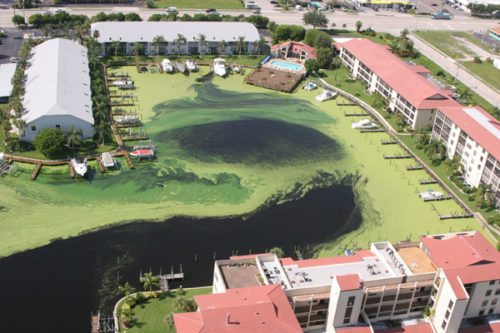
[301,309]
[318,307]
[404,296]
[389,298]
[374,300]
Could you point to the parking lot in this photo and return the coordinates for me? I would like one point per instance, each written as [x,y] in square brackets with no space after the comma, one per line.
[11,44]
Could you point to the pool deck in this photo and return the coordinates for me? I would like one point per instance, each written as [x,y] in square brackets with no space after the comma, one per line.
[270,78]
[292,61]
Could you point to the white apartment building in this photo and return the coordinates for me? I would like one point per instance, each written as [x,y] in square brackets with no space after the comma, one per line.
[406,87]
[455,276]
[472,135]
[130,33]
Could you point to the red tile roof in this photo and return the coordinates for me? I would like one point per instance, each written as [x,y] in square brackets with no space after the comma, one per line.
[365,253]
[242,310]
[421,328]
[297,47]
[396,73]
[495,30]
[474,129]
[349,282]
[464,259]
[491,328]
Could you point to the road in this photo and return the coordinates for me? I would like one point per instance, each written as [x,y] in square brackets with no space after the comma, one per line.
[453,68]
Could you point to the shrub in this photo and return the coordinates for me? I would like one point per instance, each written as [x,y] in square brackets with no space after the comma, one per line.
[50,142]
[477,60]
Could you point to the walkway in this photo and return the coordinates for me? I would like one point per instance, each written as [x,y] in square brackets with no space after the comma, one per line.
[455,69]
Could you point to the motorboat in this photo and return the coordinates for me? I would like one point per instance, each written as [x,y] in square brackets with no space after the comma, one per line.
[80,166]
[364,124]
[191,65]
[167,66]
[430,195]
[220,67]
[181,67]
[127,120]
[122,83]
[310,86]
[143,153]
[326,95]
[107,160]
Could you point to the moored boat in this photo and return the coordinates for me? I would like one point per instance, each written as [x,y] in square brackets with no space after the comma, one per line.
[167,66]
[364,124]
[80,166]
[220,67]
[191,65]
[326,95]
[108,161]
[143,153]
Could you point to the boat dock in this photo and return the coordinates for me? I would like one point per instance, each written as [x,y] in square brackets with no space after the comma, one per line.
[372,131]
[99,164]
[36,170]
[388,142]
[71,170]
[356,114]
[459,216]
[397,157]
[428,181]
[444,197]
[411,168]
[346,104]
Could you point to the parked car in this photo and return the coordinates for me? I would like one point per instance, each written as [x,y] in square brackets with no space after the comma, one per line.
[14,59]
[299,8]
[277,5]
[47,12]
[172,10]
[434,4]
[256,12]
[210,10]
[60,10]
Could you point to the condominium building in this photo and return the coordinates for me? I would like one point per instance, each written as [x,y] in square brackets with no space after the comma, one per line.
[409,89]
[293,49]
[473,136]
[451,276]
[129,34]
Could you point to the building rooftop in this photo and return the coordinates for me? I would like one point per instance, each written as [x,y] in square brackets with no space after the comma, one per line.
[420,328]
[242,310]
[401,76]
[478,124]
[416,259]
[132,32]
[297,47]
[6,74]
[240,275]
[495,30]
[58,81]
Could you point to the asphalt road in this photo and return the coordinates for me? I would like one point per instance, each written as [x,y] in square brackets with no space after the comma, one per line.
[11,44]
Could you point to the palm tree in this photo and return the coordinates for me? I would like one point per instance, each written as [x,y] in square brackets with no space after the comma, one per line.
[182,304]
[101,131]
[96,34]
[126,289]
[169,321]
[115,46]
[222,46]
[101,111]
[203,42]
[137,48]
[179,42]
[5,123]
[261,45]
[149,281]
[240,43]
[73,135]
[157,42]
[466,95]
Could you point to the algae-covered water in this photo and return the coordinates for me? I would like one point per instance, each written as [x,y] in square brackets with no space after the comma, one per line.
[225,148]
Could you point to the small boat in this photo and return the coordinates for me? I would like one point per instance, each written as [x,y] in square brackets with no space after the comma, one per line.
[181,67]
[142,153]
[127,120]
[167,66]
[429,195]
[363,124]
[236,68]
[220,67]
[120,83]
[326,95]
[191,65]
[79,165]
[108,161]
[310,86]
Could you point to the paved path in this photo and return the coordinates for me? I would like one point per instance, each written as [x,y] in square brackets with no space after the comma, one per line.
[455,69]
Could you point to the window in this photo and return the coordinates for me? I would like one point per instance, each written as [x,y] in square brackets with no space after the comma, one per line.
[33,128]
[443,325]
[490,311]
[497,292]
[484,303]
[481,313]
[494,301]
[450,305]
[350,301]
[488,292]
[492,282]
[347,320]
[447,315]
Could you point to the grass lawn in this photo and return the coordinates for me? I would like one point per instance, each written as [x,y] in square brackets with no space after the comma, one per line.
[199,4]
[486,71]
[445,42]
[246,60]
[78,152]
[150,314]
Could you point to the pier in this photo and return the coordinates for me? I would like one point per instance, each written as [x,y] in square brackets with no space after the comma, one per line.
[460,216]
[428,181]
[71,170]
[356,114]
[397,157]
[36,170]
[411,168]
[388,142]
[99,164]
[444,197]
[372,131]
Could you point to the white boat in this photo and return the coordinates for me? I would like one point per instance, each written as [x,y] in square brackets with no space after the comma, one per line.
[121,83]
[127,120]
[430,195]
[79,165]
[310,86]
[108,161]
[364,124]
[220,67]
[191,65]
[142,153]
[167,66]
[326,95]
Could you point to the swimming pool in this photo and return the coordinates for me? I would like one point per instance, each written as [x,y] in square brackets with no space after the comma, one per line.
[287,65]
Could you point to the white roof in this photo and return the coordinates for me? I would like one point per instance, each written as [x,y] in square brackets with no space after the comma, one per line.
[58,81]
[6,74]
[146,31]
[482,120]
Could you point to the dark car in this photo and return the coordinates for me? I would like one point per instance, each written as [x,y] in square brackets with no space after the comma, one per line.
[210,10]
[434,4]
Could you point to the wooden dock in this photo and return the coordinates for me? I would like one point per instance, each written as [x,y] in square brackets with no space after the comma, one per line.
[447,197]
[71,170]
[372,131]
[121,104]
[389,142]
[36,170]
[129,161]
[428,181]
[397,157]
[135,138]
[347,104]
[129,125]
[460,216]
[99,164]
[356,114]
[411,168]
[95,324]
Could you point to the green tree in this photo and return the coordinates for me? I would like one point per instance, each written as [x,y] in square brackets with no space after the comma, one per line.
[102,130]
[138,48]
[316,19]
[261,45]
[241,44]
[465,95]
[50,142]
[115,46]
[157,42]
[359,24]
[132,16]
[150,3]
[126,289]
[149,281]
[179,42]
[169,321]
[73,135]
[336,62]
[318,39]
[182,304]
[96,34]
[202,39]
[324,57]
[311,66]
[222,46]
[277,251]
[18,20]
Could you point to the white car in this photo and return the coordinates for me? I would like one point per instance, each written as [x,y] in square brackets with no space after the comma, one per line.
[48,12]
[59,10]
[172,10]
